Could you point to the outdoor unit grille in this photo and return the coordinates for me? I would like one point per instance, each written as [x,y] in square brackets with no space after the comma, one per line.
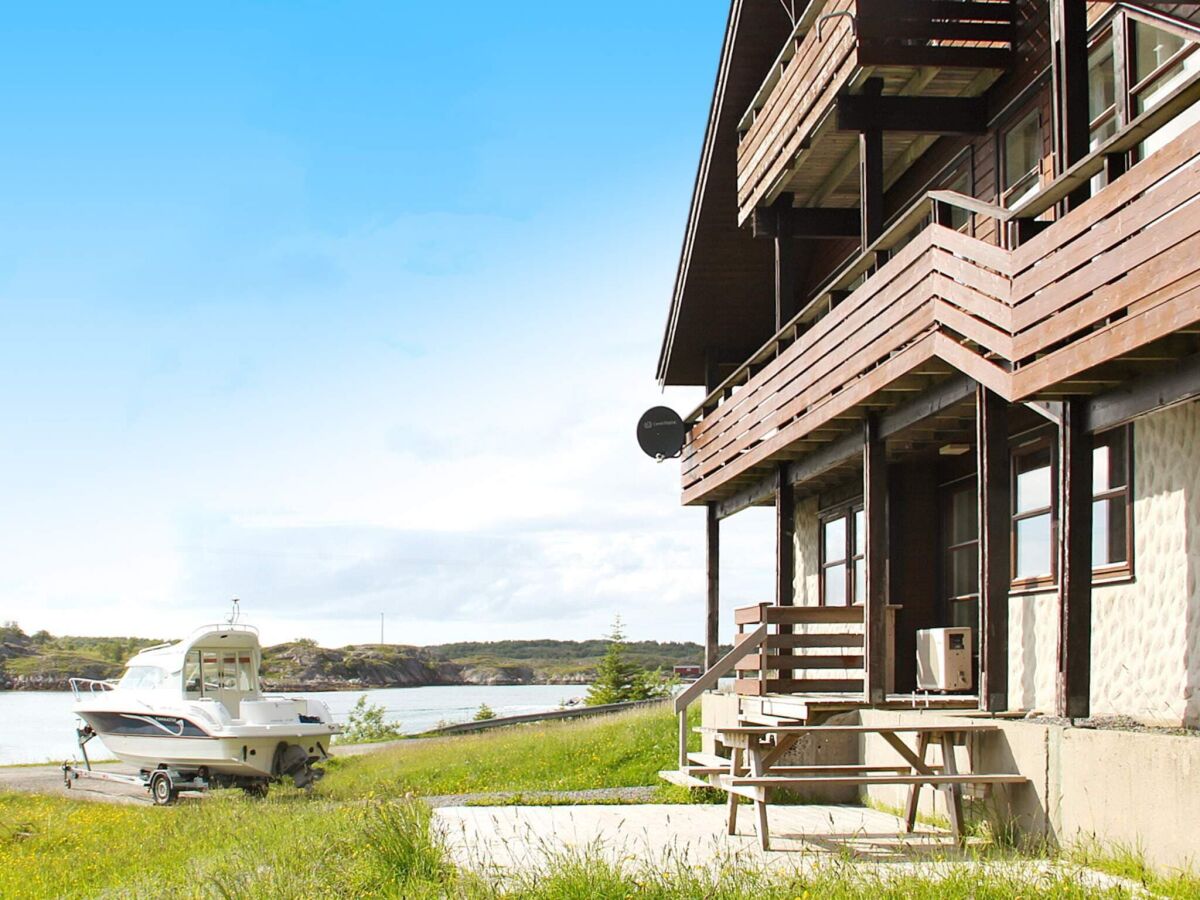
[944,659]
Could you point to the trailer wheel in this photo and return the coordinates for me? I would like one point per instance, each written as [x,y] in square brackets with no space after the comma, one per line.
[161,790]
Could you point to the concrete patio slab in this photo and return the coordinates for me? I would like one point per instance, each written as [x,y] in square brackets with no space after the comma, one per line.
[663,835]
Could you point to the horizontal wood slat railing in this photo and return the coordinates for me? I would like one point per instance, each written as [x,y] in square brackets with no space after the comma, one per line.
[1118,272]
[832,47]
[836,657]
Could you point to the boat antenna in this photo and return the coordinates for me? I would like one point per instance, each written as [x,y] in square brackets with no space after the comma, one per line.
[235,613]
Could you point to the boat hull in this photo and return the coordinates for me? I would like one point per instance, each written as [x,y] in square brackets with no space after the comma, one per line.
[151,742]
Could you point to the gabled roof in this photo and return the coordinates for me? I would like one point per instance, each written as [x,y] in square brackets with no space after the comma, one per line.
[724,287]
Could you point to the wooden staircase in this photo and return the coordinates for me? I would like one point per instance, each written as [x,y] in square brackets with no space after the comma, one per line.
[811,661]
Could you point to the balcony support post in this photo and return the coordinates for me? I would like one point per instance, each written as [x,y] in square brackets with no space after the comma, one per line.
[1069,67]
[875,515]
[712,570]
[870,173]
[993,483]
[1074,562]
[785,538]
[785,261]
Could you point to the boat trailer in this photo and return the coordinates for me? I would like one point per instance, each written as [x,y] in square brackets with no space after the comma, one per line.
[165,784]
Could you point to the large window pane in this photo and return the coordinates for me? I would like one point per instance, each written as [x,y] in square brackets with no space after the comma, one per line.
[835,539]
[860,533]
[1033,481]
[1033,547]
[1108,465]
[835,585]
[1151,48]
[964,571]
[1102,82]
[965,613]
[860,580]
[964,516]
[1109,525]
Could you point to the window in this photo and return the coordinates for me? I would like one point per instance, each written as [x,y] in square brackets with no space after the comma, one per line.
[142,678]
[1033,559]
[1111,509]
[1035,509]
[843,557]
[1161,60]
[960,541]
[1021,147]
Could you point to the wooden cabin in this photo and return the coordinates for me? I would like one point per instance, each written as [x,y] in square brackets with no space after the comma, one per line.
[940,283]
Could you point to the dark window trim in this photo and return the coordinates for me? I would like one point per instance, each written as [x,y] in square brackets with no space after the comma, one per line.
[846,509]
[1121,571]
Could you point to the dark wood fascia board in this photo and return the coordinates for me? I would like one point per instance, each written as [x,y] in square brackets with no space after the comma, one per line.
[1144,395]
[698,185]
[924,115]
[808,222]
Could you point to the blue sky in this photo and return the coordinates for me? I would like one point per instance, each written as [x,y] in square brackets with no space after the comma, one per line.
[347,309]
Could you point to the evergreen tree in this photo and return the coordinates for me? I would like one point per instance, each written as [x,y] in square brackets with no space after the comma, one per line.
[619,679]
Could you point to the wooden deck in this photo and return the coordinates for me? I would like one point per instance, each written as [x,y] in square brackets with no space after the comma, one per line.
[1111,289]
[789,136]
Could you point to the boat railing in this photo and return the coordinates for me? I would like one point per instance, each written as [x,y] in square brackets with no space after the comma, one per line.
[89,685]
[226,626]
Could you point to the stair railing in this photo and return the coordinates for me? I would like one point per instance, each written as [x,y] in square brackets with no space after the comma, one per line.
[749,643]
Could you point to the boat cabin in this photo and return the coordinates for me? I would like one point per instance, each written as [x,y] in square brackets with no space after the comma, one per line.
[219,663]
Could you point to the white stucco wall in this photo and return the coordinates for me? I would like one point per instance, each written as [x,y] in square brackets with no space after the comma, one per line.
[807,559]
[1146,631]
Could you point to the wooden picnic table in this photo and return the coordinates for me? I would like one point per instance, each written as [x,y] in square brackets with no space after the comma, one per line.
[752,769]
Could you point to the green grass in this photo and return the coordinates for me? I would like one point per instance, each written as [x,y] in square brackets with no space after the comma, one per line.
[1130,864]
[359,835]
[626,749]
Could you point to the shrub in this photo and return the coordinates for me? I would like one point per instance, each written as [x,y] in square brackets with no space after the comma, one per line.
[484,713]
[366,725]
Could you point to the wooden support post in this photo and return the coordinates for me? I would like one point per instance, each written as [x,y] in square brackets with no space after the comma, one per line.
[785,539]
[994,503]
[870,173]
[1074,562]
[1069,67]
[875,515]
[785,261]
[712,565]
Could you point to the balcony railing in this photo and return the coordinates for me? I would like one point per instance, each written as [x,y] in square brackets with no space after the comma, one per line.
[1117,273]
[838,43]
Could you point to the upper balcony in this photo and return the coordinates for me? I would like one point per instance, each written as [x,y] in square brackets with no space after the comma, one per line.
[789,137]
[1108,290]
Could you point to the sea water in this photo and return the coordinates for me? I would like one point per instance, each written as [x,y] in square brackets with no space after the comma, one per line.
[39,726]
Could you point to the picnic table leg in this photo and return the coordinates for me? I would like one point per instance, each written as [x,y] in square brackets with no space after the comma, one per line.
[953,792]
[735,763]
[914,792]
[757,770]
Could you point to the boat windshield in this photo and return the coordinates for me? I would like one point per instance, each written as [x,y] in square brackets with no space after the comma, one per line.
[142,678]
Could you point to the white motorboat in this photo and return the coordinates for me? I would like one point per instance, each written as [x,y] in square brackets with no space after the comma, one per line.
[193,713]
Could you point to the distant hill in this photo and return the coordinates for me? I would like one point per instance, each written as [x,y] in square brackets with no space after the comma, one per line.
[44,662]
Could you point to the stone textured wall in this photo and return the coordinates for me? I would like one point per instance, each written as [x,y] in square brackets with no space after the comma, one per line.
[1145,631]
[808,564]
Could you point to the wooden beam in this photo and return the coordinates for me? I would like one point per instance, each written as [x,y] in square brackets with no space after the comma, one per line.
[875,516]
[922,115]
[870,173]
[786,306]
[933,401]
[751,495]
[993,484]
[808,222]
[1074,563]
[1144,395]
[712,571]
[1069,81]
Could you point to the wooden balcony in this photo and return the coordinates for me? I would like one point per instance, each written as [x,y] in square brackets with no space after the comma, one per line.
[789,137]
[1110,290]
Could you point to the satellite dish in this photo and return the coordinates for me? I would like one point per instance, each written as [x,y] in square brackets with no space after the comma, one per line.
[660,433]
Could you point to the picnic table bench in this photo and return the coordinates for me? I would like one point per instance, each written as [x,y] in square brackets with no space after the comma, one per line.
[752,769]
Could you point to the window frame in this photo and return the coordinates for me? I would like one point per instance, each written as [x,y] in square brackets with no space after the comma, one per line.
[1028,448]
[1101,574]
[849,511]
[1031,181]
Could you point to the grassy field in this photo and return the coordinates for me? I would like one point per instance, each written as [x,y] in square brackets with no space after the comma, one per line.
[365,833]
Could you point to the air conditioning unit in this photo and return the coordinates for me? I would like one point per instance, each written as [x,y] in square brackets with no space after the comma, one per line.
[944,659]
